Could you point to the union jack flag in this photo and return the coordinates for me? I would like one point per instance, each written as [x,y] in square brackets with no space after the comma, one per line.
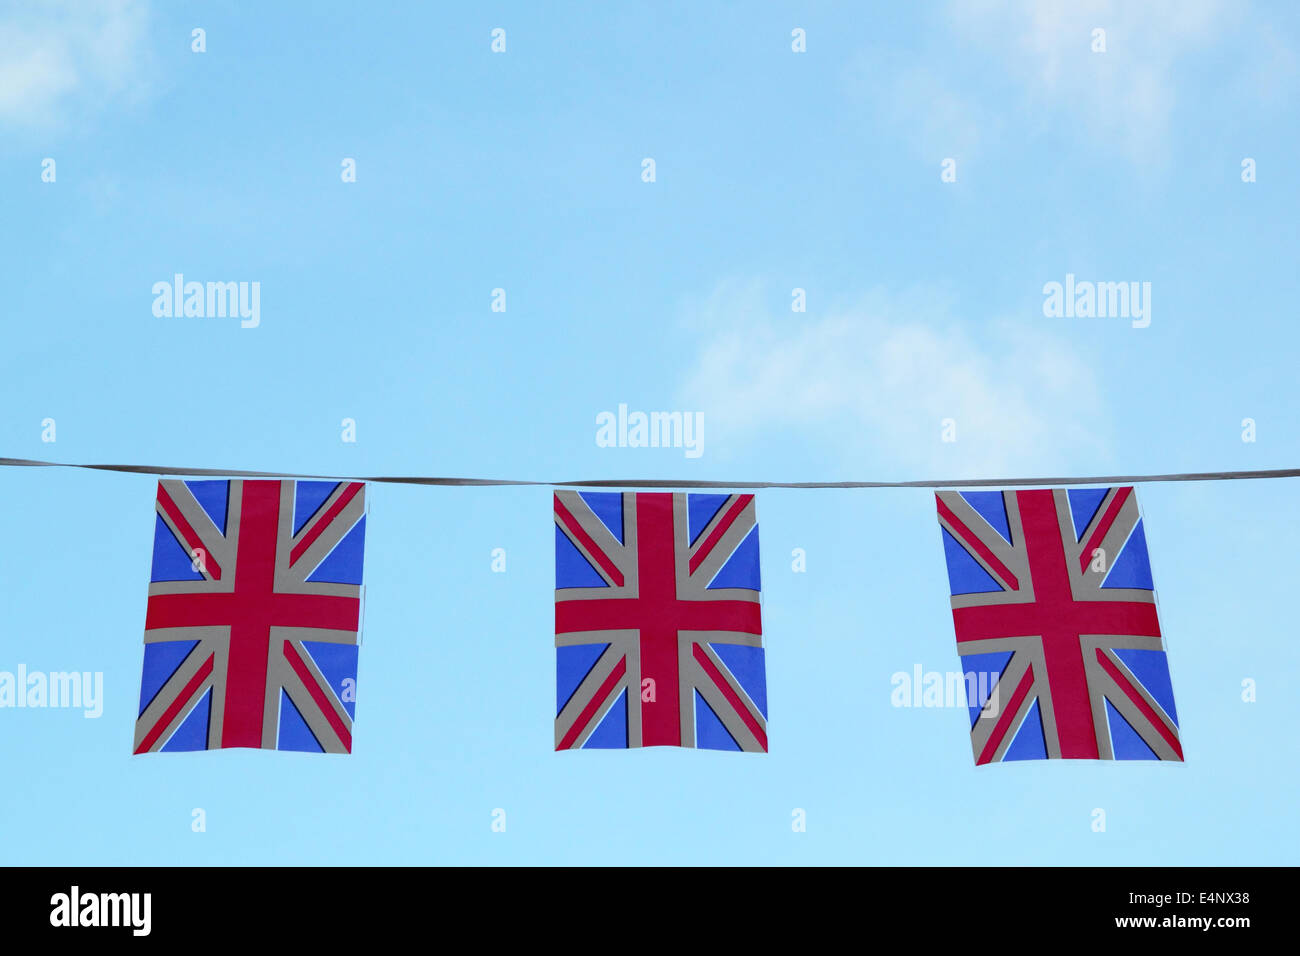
[1052,593]
[254,611]
[658,633]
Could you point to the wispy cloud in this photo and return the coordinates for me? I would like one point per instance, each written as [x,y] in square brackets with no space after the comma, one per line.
[918,100]
[1125,95]
[60,58]
[870,383]
[997,69]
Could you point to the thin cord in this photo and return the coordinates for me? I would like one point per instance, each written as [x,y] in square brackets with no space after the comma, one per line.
[668,483]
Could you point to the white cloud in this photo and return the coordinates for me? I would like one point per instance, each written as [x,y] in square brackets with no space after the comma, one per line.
[60,57]
[996,70]
[1125,95]
[938,120]
[1272,75]
[870,384]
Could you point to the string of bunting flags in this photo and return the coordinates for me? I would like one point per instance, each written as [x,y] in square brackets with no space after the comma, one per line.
[252,626]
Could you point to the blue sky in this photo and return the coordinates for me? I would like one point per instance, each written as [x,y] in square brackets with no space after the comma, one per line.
[775,170]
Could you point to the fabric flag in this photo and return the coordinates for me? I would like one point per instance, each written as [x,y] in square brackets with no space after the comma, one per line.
[254,611]
[1056,622]
[658,633]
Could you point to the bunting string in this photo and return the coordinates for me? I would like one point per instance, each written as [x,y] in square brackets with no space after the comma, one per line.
[663,482]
